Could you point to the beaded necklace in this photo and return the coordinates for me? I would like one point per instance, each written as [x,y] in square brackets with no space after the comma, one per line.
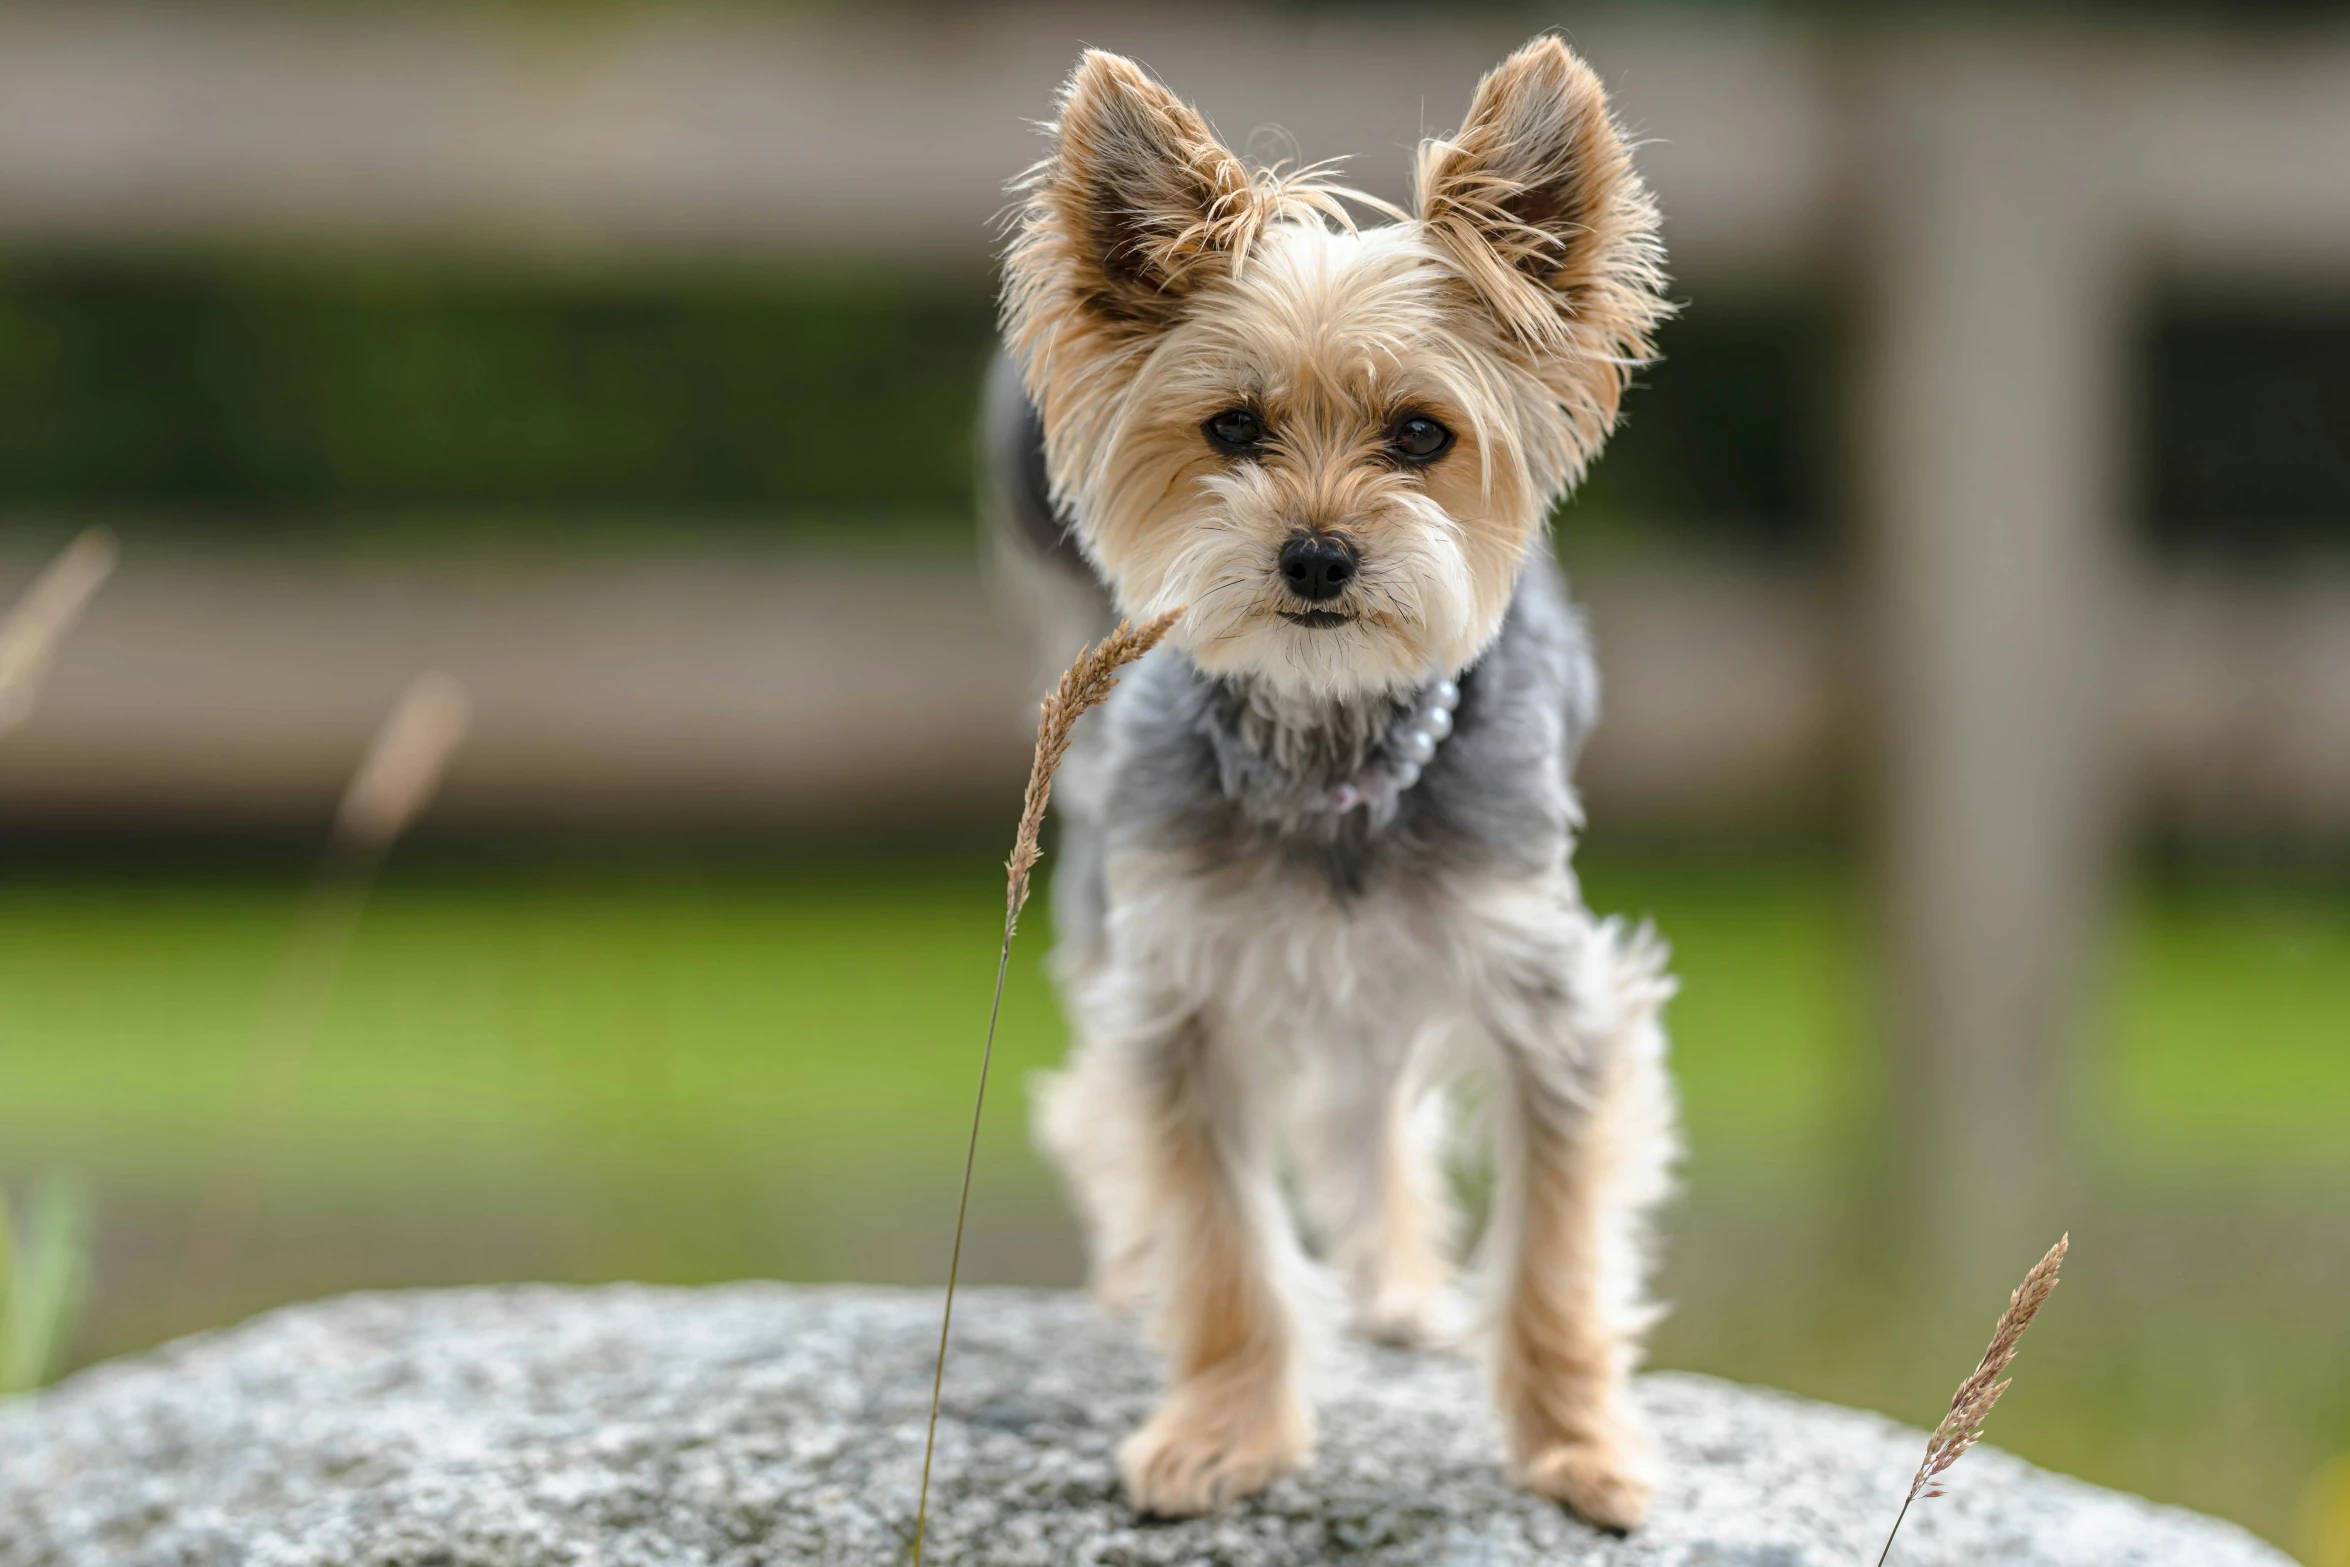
[1409,747]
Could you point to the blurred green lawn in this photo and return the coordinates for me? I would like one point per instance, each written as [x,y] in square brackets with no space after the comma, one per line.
[679,1072]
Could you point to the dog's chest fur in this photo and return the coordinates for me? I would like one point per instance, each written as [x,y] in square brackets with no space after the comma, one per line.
[1204,781]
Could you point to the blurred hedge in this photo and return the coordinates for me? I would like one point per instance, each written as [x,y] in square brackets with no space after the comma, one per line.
[315,393]
[254,391]
[2245,425]
[225,392]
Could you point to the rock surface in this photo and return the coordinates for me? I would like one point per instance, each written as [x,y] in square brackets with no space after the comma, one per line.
[769,1424]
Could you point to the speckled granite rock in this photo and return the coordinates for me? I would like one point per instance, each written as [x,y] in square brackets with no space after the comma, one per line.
[766,1424]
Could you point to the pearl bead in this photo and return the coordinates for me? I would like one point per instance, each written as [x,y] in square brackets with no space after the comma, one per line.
[1411,746]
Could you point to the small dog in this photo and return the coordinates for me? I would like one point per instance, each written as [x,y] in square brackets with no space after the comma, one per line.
[1325,829]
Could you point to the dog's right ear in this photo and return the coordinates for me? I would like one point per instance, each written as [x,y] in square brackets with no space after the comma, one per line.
[1138,204]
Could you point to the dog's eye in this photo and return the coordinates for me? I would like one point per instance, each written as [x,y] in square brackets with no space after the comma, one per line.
[1235,430]
[1418,438]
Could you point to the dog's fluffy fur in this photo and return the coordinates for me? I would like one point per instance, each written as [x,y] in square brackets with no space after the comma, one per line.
[1239,957]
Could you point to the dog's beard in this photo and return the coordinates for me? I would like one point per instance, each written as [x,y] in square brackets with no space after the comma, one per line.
[1410,614]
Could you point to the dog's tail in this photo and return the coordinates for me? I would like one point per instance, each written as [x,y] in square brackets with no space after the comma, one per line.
[1032,559]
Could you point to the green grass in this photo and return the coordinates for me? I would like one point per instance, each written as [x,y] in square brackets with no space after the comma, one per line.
[681,1015]
[686,1074]
[2229,1048]
[686,1013]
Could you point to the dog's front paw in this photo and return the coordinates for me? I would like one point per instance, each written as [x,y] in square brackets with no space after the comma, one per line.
[1206,1448]
[1600,1480]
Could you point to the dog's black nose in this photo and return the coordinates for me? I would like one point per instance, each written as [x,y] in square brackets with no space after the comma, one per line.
[1317,566]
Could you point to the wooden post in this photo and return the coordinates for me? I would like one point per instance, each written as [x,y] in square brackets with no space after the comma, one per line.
[1986,417]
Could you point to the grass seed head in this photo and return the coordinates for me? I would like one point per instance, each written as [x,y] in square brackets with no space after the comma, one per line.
[1086,685]
[1970,1406]
[30,636]
[405,761]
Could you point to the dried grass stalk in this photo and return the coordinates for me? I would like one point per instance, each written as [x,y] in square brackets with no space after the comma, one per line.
[395,780]
[30,636]
[1085,685]
[404,763]
[1971,1405]
[43,1277]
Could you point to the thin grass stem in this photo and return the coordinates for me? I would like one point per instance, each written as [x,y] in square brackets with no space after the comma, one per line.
[938,1377]
[1887,1552]
[394,782]
[1086,684]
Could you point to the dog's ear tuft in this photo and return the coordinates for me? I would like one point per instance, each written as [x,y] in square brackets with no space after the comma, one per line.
[1538,204]
[1139,203]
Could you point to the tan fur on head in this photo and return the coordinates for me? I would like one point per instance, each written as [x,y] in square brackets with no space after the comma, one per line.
[1154,281]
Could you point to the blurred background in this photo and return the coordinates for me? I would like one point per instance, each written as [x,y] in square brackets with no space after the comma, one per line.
[1971,579]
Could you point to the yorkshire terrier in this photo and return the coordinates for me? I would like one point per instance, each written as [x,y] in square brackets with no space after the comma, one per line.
[1323,832]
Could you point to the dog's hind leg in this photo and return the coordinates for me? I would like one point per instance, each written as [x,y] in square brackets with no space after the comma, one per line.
[1225,1262]
[1088,1122]
[1371,1125]
[1584,1138]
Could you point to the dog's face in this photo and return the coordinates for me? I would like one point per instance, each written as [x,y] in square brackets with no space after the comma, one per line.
[1334,444]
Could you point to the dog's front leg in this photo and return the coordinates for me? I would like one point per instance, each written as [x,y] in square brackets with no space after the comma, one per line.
[1584,1133]
[1233,1417]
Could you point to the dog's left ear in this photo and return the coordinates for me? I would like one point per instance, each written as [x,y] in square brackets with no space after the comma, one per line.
[1537,203]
